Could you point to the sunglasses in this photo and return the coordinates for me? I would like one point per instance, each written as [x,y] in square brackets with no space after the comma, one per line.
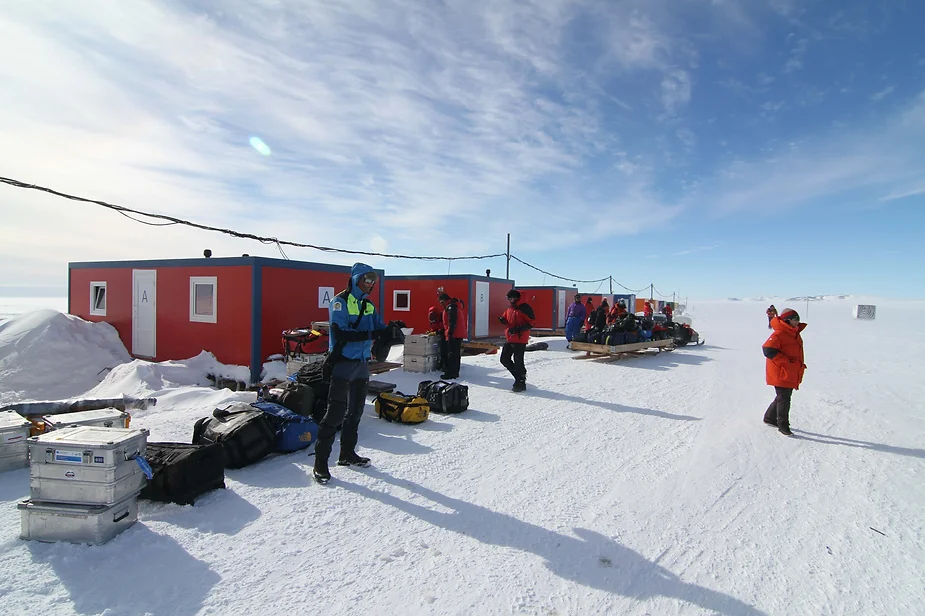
[370,278]
[793,319]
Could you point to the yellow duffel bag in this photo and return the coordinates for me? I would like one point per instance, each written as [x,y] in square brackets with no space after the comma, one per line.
[396,406]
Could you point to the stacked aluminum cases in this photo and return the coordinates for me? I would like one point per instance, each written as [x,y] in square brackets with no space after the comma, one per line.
[422,353]
[107,418]
[84,484]
[14,446]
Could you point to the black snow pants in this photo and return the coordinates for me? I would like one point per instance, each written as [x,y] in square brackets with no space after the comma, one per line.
[779,411]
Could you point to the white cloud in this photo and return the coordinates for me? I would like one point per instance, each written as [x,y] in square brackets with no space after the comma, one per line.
[882,93]
[390,118]
[868,159]
[797,55]
[676,90]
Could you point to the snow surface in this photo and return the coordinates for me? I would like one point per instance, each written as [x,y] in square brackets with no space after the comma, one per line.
[643,486]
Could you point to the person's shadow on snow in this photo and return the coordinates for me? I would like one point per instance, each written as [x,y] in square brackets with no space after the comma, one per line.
[118,577]
[590,559]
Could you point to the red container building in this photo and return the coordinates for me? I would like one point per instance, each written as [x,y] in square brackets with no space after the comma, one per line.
[408,299]
[549,304]
[235,308]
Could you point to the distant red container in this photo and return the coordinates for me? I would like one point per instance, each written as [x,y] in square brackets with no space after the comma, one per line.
[549,304]
[236,308]
[408,299]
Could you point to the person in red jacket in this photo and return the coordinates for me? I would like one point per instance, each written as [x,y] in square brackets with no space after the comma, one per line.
[668,312]
[589,310]
[784,366]
[771,312]
[435,318]
[454,328]
[647,310]
[519,320]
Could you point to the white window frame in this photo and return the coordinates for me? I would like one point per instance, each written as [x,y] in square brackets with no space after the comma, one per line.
[395,295]
[193,315]
[98,312]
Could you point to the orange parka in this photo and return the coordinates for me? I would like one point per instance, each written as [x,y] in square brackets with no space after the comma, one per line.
[783,351]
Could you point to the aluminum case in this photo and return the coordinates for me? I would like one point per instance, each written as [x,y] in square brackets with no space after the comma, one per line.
[14,443]
[86,465]
[106,418]
[76,523]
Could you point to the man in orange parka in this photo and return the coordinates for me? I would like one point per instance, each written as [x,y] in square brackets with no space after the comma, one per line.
[519,320]
[784,366]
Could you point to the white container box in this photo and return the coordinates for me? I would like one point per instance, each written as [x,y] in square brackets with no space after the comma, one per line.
[106,418]
[421,363]
[14,441]
[86,465]
[76,523]
[422,344]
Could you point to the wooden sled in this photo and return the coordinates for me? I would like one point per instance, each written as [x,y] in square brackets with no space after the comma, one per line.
[618,351]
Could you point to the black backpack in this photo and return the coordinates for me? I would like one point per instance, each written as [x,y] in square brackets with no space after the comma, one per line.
[444,397]
[245,433]
[183,471]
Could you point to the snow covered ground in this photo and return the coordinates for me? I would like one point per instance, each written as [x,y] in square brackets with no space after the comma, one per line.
[643,486]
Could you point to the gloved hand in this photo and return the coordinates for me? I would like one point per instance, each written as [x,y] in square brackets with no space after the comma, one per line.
[502,320]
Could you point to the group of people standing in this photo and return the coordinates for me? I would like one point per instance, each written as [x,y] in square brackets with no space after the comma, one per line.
[586,314]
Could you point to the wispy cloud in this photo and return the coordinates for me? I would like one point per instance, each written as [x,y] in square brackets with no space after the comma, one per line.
[882,93]
[869,158]
[695,249]
[378,117]
[797,54]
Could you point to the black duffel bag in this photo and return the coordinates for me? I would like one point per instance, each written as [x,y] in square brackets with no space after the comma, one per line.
[182,471]
[245,433]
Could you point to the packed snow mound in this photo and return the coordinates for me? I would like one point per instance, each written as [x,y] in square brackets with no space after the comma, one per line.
[140,378]
[74,355]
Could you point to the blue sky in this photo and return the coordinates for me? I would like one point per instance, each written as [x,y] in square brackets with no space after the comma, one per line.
[713,148]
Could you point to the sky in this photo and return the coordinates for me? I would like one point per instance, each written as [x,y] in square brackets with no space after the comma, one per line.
[710,148]
[678,499]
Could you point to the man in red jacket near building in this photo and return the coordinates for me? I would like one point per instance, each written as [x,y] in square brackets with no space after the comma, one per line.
[454,327]
[435,318]
[784,366]
[519,320]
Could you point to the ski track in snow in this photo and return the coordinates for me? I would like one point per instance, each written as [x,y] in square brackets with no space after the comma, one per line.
[647,485]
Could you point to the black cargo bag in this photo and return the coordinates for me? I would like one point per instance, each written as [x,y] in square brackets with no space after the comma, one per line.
[183,471]
[245,433]
[444,397]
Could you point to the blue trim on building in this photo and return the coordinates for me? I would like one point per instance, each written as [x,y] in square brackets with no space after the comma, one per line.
[450,277]
[212,262]
[256,321]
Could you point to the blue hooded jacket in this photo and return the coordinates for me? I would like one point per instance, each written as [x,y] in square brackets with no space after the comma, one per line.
[358,340]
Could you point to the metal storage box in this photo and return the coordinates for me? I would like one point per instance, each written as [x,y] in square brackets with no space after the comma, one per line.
[422,344]
[106,418]
[86,465]
[421,363]
[14,444]
[76,523]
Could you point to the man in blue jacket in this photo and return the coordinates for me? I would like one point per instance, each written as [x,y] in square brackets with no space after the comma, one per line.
[354,325]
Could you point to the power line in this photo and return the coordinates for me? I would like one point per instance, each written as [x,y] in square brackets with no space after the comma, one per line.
[559,277]
[266,240]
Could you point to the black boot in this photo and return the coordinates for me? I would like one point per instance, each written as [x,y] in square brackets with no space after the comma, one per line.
[352,459]
[519,386]
[321,473]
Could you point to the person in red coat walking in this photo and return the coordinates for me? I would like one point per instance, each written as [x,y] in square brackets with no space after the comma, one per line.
[519,320]
[647,310]
[784,366]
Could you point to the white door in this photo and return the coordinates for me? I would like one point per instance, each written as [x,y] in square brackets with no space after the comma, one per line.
[144,313]
[481,309]
[562,299]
